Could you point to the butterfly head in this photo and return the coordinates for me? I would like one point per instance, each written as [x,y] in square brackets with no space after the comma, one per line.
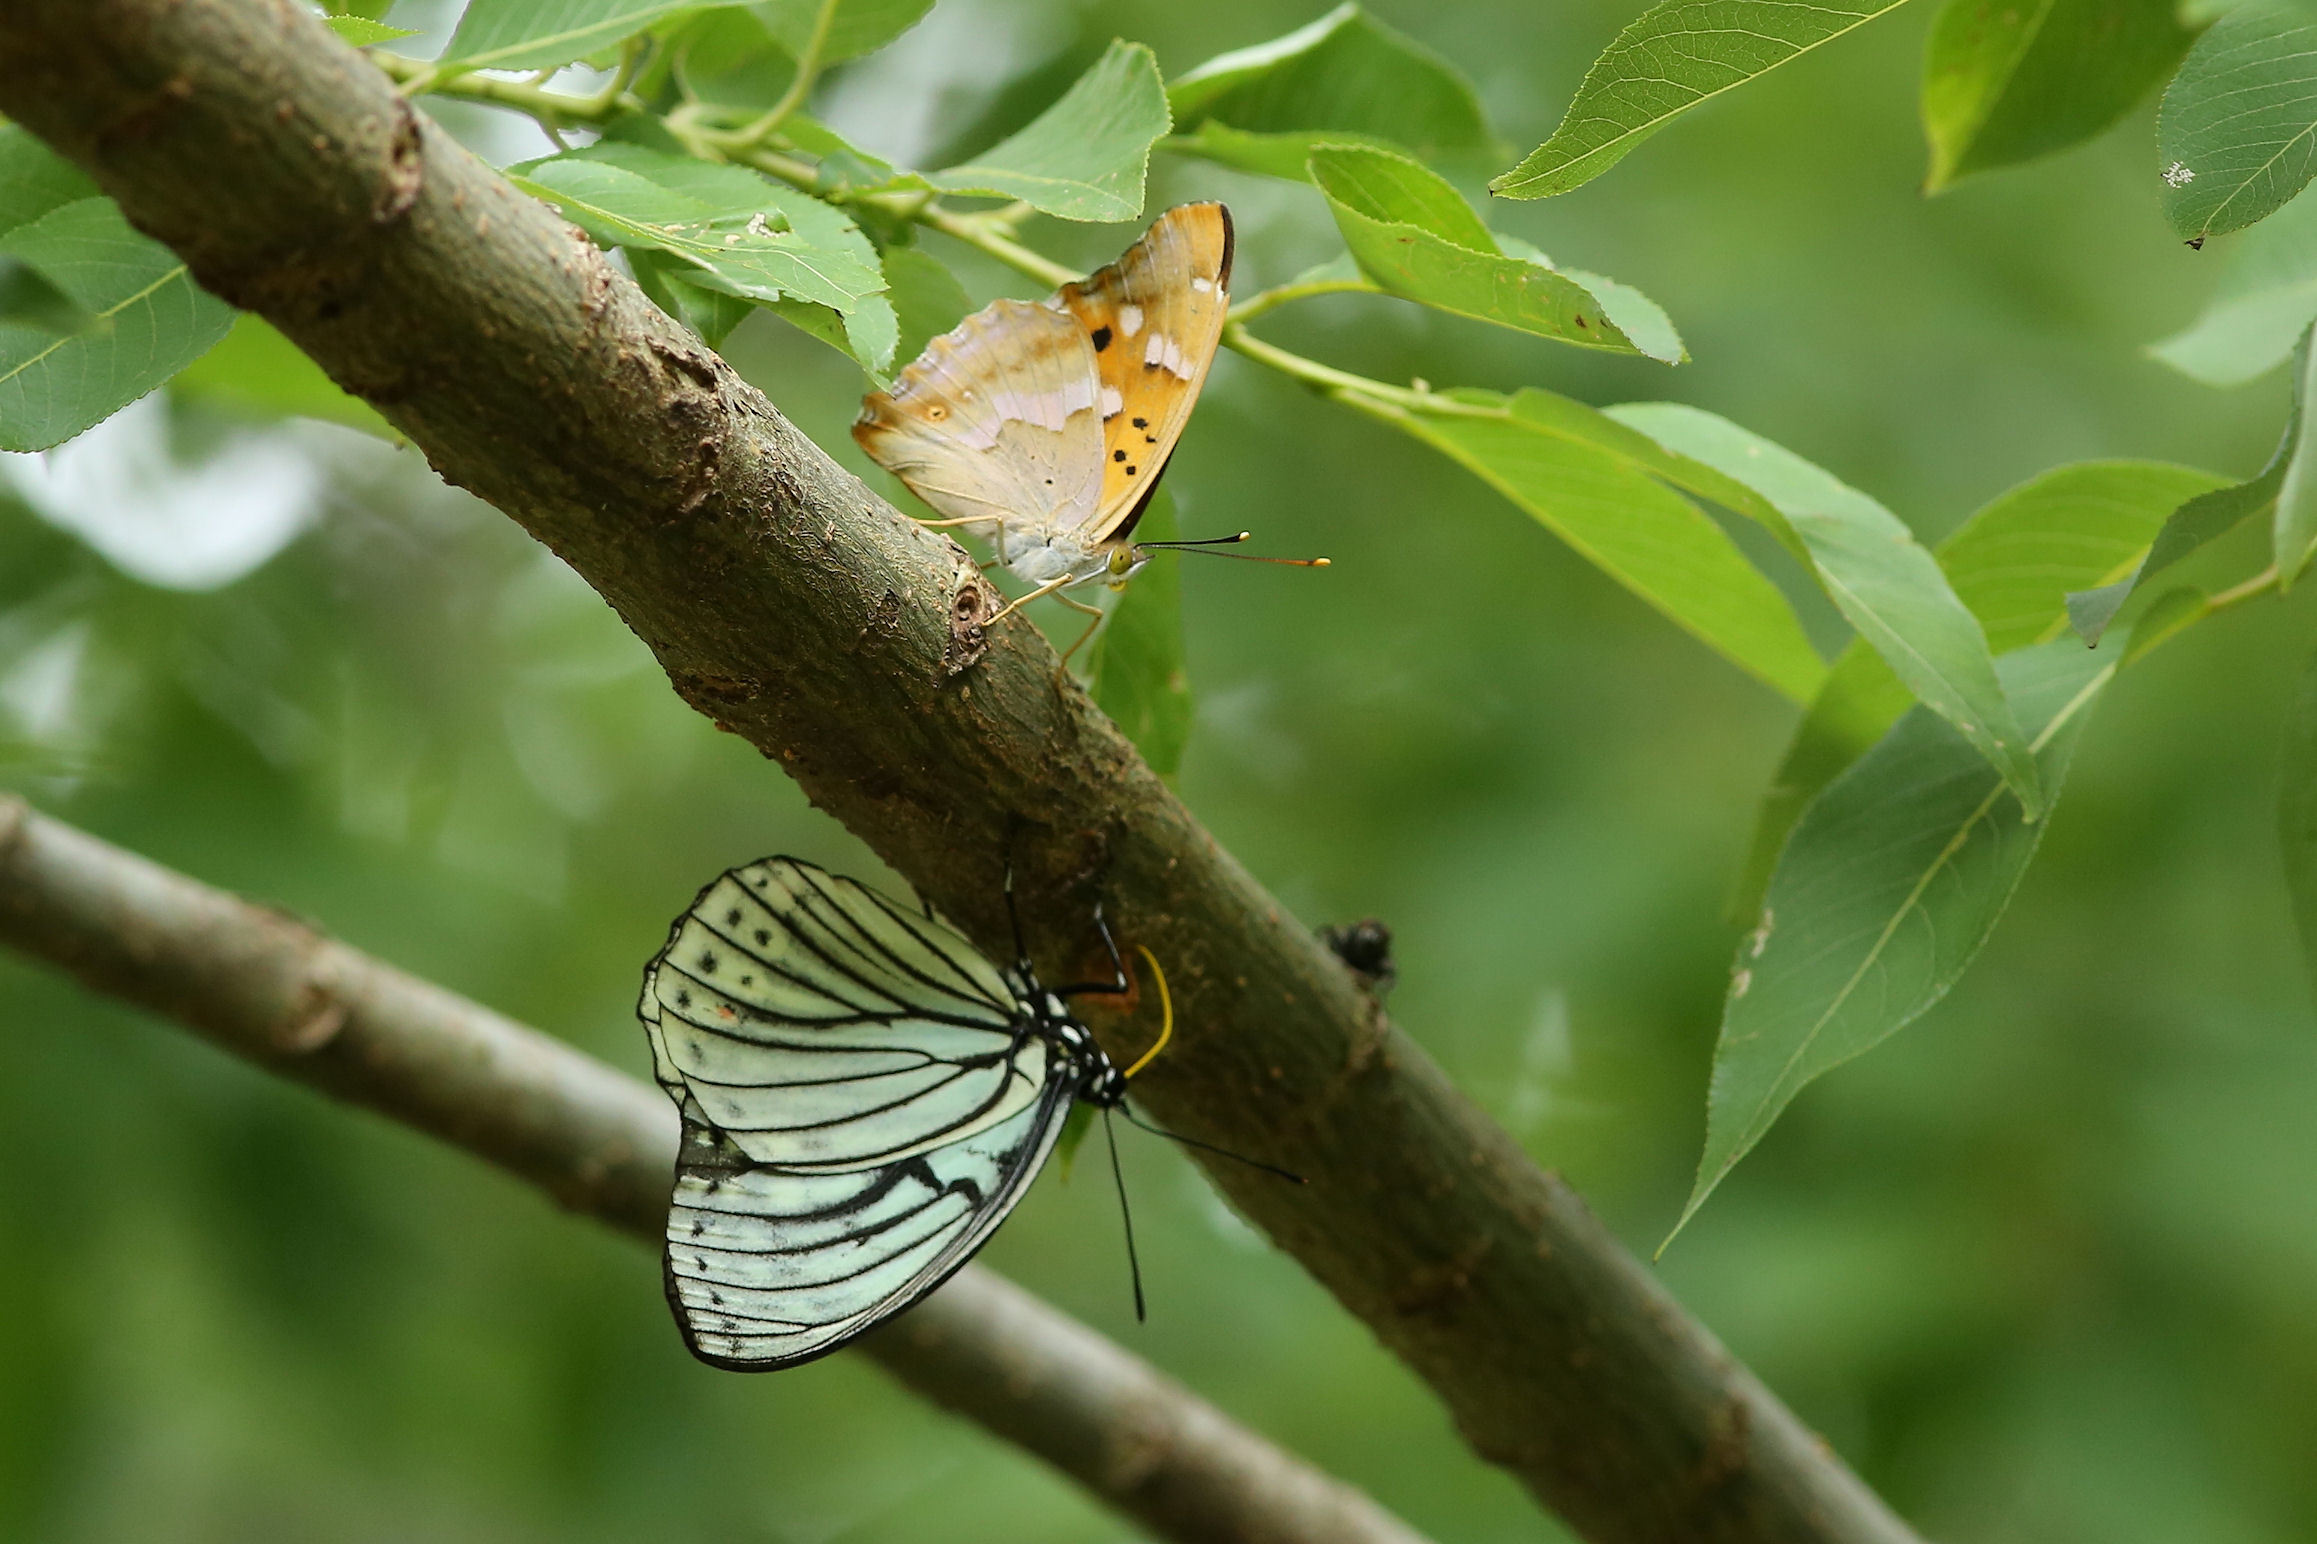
[1122,565]
[1098,1078]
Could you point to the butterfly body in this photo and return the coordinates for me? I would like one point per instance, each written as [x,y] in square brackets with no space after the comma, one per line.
[864,1097]
[1044,427]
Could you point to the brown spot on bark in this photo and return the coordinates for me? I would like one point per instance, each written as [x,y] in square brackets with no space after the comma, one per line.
[405,167]
[147,118]
[884,619]
[13,813]
[1434,1286]
[686,361]
[313,1024]
[708,693]
[1725,1457]
[972,603]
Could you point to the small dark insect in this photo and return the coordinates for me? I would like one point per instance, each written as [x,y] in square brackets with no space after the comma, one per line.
[1365,947]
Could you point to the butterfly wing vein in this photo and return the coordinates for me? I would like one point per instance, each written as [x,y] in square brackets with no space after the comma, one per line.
[862,1099]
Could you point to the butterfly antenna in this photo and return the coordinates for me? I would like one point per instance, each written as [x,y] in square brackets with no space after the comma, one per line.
[1205,546]
[1125,1214]
[1209,1147]
[1205,541]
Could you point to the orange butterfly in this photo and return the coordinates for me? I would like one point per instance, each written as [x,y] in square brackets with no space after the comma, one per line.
[1044,427]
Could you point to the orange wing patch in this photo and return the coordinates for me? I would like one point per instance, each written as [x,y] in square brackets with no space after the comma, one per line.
[1154,318]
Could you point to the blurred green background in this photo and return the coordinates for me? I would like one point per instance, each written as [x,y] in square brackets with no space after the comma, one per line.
[2039,1268]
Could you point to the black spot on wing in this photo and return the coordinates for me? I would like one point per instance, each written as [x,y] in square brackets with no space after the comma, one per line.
[1101,339]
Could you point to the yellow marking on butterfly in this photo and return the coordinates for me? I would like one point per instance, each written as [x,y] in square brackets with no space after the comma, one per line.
[1166,1012]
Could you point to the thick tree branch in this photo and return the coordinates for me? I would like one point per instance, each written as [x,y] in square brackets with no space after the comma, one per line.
[798,610]
[272,990]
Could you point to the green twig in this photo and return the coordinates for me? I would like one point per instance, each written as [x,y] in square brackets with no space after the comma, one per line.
[808,69]
[2260,584]
[416,77]
[1264,301]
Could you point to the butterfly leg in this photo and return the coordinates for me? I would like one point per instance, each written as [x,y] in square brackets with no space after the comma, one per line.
[1012,606]
[1014,918]
[1095,612]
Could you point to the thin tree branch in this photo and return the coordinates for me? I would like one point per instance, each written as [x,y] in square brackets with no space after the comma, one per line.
[798,610]
[274,991]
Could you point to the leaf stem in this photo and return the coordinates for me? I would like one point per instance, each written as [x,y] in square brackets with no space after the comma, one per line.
[2260,584]
[992,237]
[808,69]
[416,77]
[1264,301]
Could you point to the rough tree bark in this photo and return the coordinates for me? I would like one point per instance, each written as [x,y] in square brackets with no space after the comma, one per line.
[271,989]
[798,610]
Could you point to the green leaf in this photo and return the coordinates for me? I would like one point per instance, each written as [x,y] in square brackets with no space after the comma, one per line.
[2266,298]
[1859,702]
[723,58]
[35,179]
[1286,155]
[1575,473]
[706,286]
[741,234]
[256,370]
[2297,811]
[846,168]
[1895,876]
[1676,55]
[1415,236]
[866,335]
[28,300]
[2005,81]
[361,31]
[533,34]
[1631,312]
[1386,186]
[2238,134]
[156,322]
[2011,564]
[1881,579]
[2169,615]
[1084,157]
[2205,518]
[2295,526]
[926,297]
[858,27]
[1137,671]
[710,313]
[1075,1125]
[1345,74]
[2015,560]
